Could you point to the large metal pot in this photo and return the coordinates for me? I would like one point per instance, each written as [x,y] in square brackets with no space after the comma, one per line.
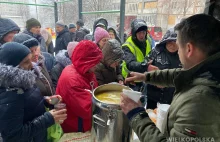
[109,122]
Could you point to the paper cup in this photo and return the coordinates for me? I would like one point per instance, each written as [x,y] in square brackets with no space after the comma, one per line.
[134,95]
[60,106]
[162,110]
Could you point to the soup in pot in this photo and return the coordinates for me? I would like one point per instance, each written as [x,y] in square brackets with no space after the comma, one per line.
[111,97]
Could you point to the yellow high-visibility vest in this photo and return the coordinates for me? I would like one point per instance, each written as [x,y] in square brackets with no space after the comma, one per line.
[137,53]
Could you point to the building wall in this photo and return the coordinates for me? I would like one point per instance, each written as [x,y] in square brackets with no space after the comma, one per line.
[167,13]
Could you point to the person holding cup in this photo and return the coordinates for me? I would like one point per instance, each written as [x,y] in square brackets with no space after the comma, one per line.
[23,116]
[194,111]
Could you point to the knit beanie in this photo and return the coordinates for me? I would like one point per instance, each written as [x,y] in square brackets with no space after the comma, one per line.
[99,34]
[71,26]
[32,23]
[60,23]
[70,48]
[13,53]
[26,40]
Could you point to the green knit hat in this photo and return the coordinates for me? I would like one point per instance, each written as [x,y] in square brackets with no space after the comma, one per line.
[32,23]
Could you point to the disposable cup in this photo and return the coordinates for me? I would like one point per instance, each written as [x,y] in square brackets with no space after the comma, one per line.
[134,95]
[60,106]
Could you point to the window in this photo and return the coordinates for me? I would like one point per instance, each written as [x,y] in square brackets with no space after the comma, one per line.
[174,5]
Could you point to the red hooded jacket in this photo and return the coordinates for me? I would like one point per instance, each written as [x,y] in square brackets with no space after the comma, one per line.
[72,83]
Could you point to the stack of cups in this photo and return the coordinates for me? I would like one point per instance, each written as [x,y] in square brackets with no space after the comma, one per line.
[162,112]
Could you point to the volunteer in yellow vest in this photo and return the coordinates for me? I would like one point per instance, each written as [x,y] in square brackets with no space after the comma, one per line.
[136,49]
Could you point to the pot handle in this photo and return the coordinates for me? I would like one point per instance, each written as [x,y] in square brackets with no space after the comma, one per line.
[97,120]
[88,91]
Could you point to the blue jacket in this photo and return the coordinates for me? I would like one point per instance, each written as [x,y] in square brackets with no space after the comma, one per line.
[49,60]
[23,117]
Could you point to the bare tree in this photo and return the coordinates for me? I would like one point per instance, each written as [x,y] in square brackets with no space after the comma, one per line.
[24,11]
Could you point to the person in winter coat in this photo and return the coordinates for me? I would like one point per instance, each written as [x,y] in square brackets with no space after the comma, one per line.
[101,37]
[113,34]
[73,84]
[62,60]
[33,27]
[8,29]
[100,22]
[72,30]
[43,81]
[63,37]
[48,39]
[194,112]
[137,48]
[23,116]
[164,56]
[49,60]
[81,31]
[108,70]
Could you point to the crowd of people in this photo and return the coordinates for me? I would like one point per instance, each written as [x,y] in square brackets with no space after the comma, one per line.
[181,70]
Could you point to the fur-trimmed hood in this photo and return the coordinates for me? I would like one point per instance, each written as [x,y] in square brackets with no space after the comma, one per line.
[62,58]
[13,77]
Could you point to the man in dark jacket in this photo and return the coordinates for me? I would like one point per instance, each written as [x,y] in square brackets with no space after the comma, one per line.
[81,31]
[8,29]
[100,22]
[164,56]
[137,48]
[63,36]
[72,30]
[194,112]
[33,28]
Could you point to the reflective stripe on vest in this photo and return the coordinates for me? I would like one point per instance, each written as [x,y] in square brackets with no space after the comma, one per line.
[137,53]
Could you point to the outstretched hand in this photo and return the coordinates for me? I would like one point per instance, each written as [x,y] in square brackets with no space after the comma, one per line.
[134,76]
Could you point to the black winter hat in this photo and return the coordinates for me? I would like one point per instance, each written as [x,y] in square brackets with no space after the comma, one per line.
[32,23]
[26,40]
[13,53]
[80,22]
[138,25]
[72,26]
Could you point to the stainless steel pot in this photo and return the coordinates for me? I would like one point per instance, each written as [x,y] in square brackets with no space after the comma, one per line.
[109,122]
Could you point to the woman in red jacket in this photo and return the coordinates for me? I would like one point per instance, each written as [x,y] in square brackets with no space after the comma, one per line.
[72,85]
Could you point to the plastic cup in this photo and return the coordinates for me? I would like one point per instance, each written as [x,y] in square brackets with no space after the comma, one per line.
[60,106]
[134,95]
